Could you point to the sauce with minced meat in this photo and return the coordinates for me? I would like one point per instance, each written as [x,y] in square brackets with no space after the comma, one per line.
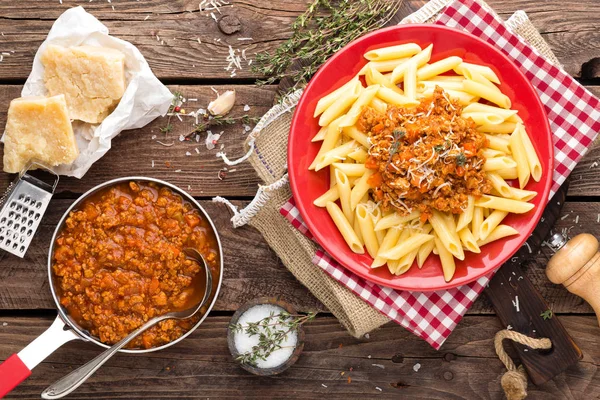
[119,262]
[426,157]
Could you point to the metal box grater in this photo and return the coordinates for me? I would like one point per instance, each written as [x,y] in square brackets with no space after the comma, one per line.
[22,208]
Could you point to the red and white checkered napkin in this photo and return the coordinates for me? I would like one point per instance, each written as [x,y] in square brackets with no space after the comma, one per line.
[574,115]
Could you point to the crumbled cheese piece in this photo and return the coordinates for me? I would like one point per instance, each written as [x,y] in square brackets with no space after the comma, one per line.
[246,107]
[416,367]
[516,303]
[38,128]
[91,78]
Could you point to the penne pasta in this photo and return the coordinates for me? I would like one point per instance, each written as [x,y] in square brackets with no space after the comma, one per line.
[336,154]
[504,127]
[535,167]
[499,203]
[393,52]
[353,133]
[482,70]
[483,91]
[365,222]
[498,143]
[466,216]
[438,67]
[329,142]
[419,59]
[404,247]
[499,184]
[484,108]
[379,105]
[344,191]
[326,101]
[395,219]
[448,266]
[491,153]
[345,228]
[410,81]
[468,240]
[518,152]
[360,188]
[507,173]
[351,169]
[341,105]
[521,195]
[359,155]
[424,251]
[320,135]
[390,239]
[394,98]
[331,195]
[383,66]
[445,229]
[490,223]
[500,232]
[356,228]
[374,77]
[476,222]
[498,163]
[446,85]
[362,101]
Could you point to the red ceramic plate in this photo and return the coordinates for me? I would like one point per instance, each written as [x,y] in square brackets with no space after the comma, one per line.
[308,185]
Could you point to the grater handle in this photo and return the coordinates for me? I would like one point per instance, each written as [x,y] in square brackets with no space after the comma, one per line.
[13,371]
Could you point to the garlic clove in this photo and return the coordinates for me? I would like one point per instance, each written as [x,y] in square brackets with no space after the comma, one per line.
[222,104]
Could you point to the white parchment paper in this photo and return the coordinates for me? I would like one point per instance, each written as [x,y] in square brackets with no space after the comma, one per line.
[145,97]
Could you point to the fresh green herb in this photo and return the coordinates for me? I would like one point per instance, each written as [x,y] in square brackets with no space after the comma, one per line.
[217,120]
[173,108]
[548,314]
[398,134]
[271,332]
[461,159]
[325,27]
[439,148]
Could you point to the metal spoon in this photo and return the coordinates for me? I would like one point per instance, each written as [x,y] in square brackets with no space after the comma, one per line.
[72,381]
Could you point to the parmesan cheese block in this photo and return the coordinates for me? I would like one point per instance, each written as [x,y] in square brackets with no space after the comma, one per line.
[91,78]
[38,129]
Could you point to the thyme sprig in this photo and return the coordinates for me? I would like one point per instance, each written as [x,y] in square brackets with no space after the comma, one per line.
[271,331]
[398,134]
[548,314]
[175,104]
[325,27]
[208,121]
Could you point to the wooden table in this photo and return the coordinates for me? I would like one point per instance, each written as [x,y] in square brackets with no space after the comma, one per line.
[167,33]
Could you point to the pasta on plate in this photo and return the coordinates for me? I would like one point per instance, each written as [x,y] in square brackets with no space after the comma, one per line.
[423,158]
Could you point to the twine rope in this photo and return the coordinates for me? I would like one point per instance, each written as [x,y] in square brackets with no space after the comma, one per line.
[514,381]
[241,218]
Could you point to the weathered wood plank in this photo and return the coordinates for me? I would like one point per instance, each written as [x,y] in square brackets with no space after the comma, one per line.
[200,366]
[252,269]
[569,28]
[133,152]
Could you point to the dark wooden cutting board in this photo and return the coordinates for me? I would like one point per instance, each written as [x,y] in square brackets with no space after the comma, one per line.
[510,283]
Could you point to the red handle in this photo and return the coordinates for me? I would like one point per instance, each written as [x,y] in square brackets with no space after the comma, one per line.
[12,372]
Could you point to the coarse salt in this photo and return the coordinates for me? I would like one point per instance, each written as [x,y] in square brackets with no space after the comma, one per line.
[416,367]
[246,107]
[244,342]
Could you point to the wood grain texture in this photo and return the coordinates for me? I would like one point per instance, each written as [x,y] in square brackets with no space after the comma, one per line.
[134,151]
[253,270]
[569,28]
[200,366]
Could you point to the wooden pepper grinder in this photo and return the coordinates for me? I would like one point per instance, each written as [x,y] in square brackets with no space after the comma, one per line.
[576,265]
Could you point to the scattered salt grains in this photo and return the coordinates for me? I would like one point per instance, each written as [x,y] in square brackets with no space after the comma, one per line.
[246,107]
[189,187]
[577,219]
[196,150]
[594,164]
[152,163]
[113,8]
[416,367]
[379,366]
[181,138]
[525,350]
[178,170]
[244,342]
[212,139]
[187,153]
[4,323]
[509,327]
[367,336]
[147,16]
[369,356]
[153,137]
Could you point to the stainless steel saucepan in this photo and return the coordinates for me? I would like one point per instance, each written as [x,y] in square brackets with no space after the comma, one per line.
[18,367]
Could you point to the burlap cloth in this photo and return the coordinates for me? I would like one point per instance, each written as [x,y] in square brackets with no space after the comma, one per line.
[267,152]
